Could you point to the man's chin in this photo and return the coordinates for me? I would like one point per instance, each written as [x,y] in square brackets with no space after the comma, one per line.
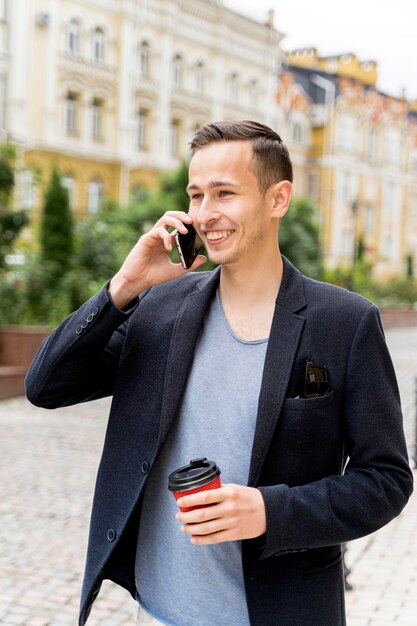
[220,258]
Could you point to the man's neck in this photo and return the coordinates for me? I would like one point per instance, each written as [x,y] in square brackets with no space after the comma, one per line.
[248,297]
[252,284]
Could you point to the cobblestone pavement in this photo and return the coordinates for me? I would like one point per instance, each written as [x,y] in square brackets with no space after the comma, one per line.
[48,462]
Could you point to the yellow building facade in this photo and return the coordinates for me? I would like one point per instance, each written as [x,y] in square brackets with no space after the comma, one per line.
[110,92]
[362,161]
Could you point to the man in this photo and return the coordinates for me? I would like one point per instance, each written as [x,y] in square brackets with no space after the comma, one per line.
[285,382]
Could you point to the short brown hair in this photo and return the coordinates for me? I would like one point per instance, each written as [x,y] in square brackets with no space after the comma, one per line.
[271,159]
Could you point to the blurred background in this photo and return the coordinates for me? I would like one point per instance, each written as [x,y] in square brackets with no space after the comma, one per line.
[98,101]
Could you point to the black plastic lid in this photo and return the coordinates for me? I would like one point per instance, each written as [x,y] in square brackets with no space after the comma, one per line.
[198,473]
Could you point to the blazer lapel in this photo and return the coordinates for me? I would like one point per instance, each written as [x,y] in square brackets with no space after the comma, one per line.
[284,338]
[182,346]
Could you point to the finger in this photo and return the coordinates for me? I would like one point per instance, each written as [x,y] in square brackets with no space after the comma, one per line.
[160,233]
[172,222]
[219,537]
[207,528]
[180,216]
[211,512]
[202,498]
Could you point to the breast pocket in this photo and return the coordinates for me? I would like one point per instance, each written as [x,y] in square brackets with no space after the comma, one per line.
[308,441]
[308,405]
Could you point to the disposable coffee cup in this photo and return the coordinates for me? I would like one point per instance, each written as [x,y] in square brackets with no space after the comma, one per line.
[199,475]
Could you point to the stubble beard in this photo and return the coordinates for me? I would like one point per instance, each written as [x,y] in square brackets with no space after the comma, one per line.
[234,256]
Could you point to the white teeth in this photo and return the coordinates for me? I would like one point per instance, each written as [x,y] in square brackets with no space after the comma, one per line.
[220,234]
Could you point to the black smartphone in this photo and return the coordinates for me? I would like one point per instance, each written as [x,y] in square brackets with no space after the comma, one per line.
[188,246]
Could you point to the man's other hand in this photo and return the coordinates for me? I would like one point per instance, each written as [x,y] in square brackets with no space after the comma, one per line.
[230,513]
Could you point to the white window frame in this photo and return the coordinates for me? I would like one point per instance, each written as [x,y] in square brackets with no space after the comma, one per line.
[73,37]
[297,133]
[348,132]
[2,101]
[369,219]
[234,87]
[143,119]
[97,119]
[144,59]
[174,137]
[253,93]
[68,182]
[71,106]
[98,45]
[95,196]
[28,189]
[392,146]
[199,77]
[372,146]
[177,71]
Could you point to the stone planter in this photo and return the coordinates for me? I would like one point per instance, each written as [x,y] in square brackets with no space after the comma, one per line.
[18,346]
[399,318]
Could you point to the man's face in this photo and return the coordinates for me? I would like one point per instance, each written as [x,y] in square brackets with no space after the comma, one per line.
[229,212]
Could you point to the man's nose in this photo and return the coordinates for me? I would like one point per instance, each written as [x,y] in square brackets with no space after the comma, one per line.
[207,211]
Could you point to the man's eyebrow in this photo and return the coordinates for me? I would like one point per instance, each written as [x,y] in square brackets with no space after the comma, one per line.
[212,184]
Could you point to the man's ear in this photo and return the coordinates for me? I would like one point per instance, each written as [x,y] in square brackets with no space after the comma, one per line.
[281,198]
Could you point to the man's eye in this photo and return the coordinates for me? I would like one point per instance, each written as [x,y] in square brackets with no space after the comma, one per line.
[196,196]
[224,192]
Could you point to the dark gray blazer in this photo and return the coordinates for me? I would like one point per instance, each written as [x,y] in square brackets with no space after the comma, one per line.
[330,469]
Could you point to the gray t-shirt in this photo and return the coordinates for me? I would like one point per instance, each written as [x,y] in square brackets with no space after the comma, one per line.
[178,583]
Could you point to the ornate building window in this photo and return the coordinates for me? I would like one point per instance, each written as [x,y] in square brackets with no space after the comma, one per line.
[233,87]
[144,54]
[143,129]
[28,190]
[199,77]
[98,45]
[348,133]
[392,145]
[177,71]
[69,183]
[2,100]
[95,195]
[369,219]
[174,137]
[71,113]
[97,110]
[297,133]
[73,37]
[253,93]
[371,148]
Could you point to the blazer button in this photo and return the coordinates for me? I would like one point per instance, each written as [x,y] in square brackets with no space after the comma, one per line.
[90,317]
[145,467]
[111,534]
[94,311]
[83,324]
[79,330]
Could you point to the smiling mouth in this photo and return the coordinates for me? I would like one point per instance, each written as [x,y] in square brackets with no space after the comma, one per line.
[218,236]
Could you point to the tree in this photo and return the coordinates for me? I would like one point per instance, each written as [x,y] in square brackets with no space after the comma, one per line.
[11,222]
[174,186]
[56,235]
[299,237]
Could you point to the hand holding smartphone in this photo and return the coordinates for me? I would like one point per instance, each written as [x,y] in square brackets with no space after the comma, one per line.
[188,245]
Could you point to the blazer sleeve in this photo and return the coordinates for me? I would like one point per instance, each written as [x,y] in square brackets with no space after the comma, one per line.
[79,361]
[377,480]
